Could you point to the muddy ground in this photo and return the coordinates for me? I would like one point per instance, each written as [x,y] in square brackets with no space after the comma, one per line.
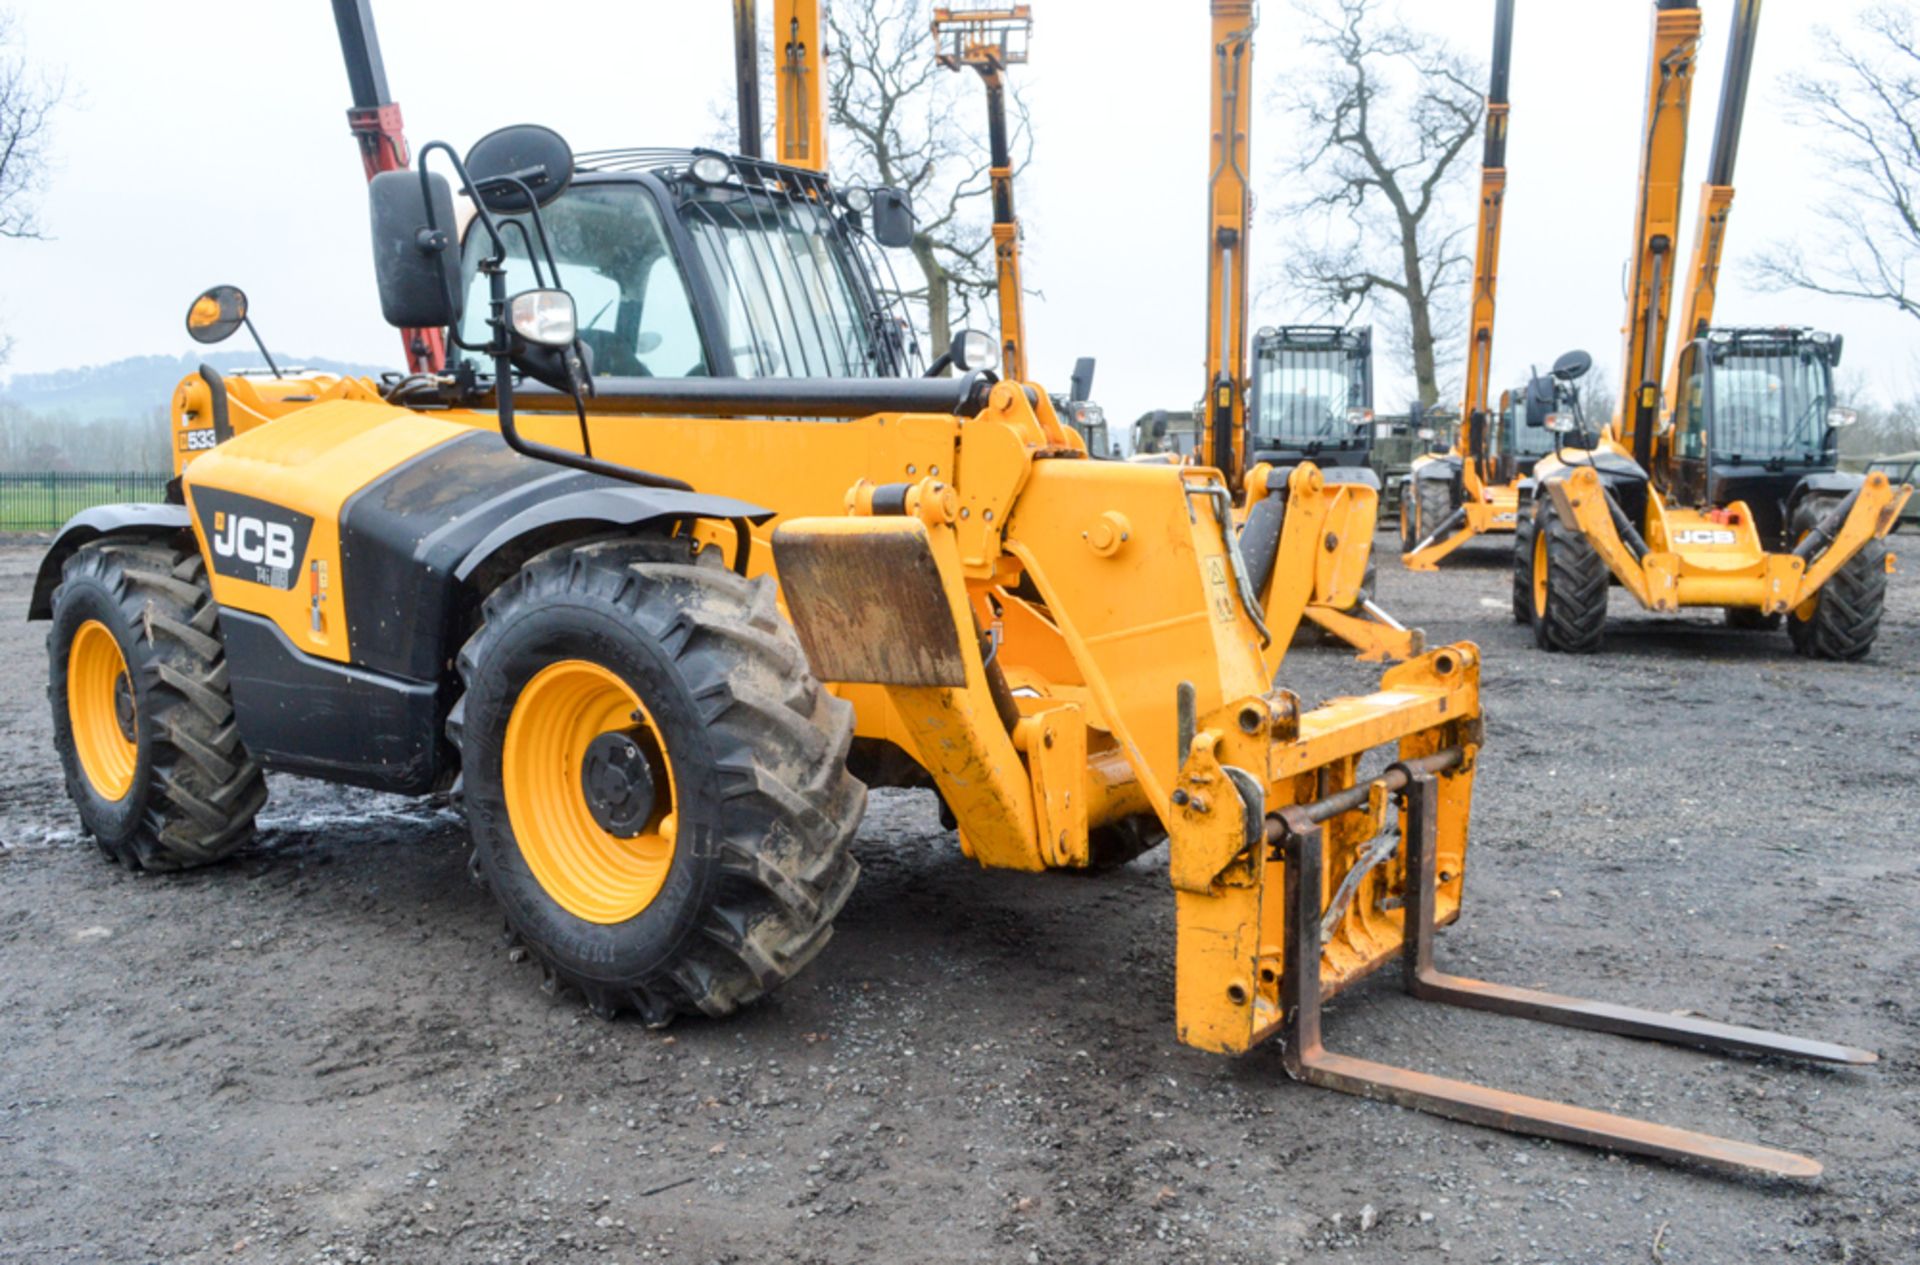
[321,1050]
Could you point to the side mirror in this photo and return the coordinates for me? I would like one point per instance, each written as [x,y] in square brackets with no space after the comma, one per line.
[1572,366]
[216,314]
[508,165]
[1540,402]
[972,349]
[415,260]
[892,218]
[1081,383]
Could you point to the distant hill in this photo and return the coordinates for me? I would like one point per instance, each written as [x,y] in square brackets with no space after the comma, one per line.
[135,386]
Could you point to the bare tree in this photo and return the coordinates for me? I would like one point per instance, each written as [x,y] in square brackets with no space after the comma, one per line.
[1865,107]
[28,99]
[903,121]
[1385,121]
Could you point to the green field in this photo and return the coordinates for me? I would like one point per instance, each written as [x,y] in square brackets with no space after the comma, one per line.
[42,502]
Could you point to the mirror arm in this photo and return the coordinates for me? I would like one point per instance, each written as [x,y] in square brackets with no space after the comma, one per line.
[261,344]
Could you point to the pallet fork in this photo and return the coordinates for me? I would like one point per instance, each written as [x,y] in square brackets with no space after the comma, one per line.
[1297,835]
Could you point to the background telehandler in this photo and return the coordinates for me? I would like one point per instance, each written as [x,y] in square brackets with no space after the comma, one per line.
[1323,516]
[658,625]
[1716,485]
[1450,498]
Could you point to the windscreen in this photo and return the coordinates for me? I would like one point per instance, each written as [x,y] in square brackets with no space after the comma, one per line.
[793,303]
[1770,405]
[1528,443]
[610,245]
[1302,396]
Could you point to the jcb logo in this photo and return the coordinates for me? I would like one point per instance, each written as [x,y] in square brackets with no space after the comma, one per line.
[252,540]
[1704,536]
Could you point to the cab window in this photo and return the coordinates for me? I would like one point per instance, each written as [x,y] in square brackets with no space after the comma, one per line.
[614,257]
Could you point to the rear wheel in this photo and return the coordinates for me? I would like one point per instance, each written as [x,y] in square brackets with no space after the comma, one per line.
[1843,618]
[1568,589]
[142,716]
[1523,568]
[1436,504]
[655,784]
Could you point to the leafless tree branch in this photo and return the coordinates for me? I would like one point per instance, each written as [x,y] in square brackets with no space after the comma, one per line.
[1865,106]
[1384,125]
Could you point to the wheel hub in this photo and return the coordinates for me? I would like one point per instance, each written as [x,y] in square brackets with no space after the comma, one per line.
[618,784]
[123,708]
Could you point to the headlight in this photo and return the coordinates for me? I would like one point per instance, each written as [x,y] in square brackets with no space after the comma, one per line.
[1838,417]
[1359,417]
[711,169]
[974,349]
[857,200]
[542,317]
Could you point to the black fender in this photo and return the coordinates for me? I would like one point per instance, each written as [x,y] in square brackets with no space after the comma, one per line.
[1823,483]
[593,509]
[1447,469]
[1363,475]
[141,520]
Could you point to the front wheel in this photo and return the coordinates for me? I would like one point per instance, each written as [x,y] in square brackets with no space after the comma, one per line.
[1843,618]
[1523,568]
[655,784]
[1568,589]
[142,716]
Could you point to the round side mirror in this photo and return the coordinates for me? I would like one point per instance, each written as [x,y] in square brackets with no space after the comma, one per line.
[216,314]
[1572,366]
[505,166]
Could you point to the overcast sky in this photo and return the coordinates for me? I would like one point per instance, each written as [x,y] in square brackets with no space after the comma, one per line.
[208,143]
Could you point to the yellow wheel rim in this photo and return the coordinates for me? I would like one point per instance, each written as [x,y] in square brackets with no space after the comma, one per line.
[1539,571]
[588,870]
[102,711]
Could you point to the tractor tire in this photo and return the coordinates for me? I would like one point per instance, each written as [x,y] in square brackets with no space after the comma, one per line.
[1749,619]
[1568,588]
[142,713]
[1111,846]
[1436,503]
[1523,569]
[655,785]
[1845,614]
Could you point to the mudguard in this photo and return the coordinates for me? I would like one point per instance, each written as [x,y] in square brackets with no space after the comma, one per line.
[147,520]
[607,506]
[1824,483]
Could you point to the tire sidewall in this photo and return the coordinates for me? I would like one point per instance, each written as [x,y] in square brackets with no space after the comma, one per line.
[84,595]
[577,627]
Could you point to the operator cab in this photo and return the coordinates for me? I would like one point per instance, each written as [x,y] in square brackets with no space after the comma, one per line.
[1754,418]
[1518,447]
[1161,433]
[695,264]
[1311,396]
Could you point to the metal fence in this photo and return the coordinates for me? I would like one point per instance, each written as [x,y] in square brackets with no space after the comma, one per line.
[42,502]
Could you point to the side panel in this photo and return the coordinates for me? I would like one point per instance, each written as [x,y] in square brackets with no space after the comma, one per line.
[299,714]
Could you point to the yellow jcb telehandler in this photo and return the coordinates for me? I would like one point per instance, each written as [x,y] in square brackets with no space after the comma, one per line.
[1450,498]
[659,620]
[1322,517]
[1718,484]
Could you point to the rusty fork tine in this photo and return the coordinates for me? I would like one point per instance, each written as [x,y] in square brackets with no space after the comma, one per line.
[1308,1060]
[1426,982]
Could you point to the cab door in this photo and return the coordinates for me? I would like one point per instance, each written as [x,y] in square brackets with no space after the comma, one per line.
[1687,453]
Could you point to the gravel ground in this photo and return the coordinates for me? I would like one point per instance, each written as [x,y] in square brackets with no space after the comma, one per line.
[322,1051]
